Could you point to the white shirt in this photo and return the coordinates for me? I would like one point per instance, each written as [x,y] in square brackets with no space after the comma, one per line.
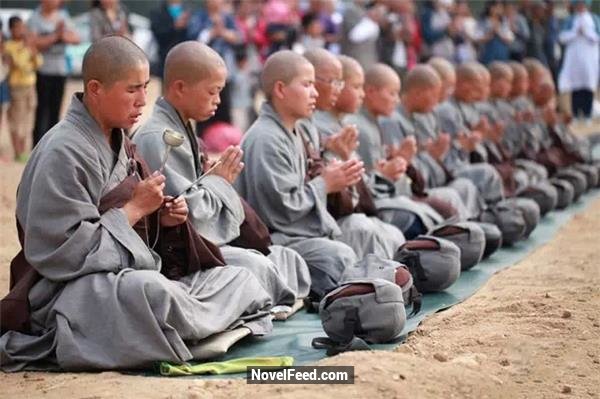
[581,65]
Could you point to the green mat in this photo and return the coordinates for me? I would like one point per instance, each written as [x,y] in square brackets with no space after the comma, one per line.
[293,337]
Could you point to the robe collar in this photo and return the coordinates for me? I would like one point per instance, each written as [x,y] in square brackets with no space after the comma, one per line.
[79,115]
[268,111]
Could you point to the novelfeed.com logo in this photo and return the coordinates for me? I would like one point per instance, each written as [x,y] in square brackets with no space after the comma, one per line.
[300,375]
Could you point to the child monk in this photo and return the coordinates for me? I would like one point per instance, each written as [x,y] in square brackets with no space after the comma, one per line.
[386,165]
[361,229]
[194,75]
[419,97]
[274,180]
[517,181]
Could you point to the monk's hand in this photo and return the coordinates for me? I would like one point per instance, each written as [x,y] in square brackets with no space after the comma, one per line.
[147,197]
[485,128]
[344,142]
[499,131]
[174,211]
[468,141]
[550,115]
[527,116]
[350,140]
[393,168]
[339,175]
[230,164]
[439,147]
[407,149]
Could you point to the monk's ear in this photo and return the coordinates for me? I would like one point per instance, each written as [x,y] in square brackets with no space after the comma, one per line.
[93,87]
[278,90]
[179,87]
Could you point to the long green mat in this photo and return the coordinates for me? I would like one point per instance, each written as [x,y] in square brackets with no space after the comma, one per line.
[293,337]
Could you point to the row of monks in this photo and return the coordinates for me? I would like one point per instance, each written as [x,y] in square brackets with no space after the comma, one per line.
[137,247]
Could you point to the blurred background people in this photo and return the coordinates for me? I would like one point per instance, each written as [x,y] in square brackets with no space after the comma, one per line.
[53,30]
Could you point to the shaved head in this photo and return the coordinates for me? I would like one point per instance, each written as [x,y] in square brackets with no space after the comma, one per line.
[519,71]
[469,71]
[109,59]
[442,66]
[191,62]
[422,76]
[282,66]
[500,70]
[544,93]
[321,59]
[533,66]
[380,75]
[350,67]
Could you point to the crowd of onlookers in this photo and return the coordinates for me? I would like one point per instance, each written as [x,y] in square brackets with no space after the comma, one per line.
[400,33]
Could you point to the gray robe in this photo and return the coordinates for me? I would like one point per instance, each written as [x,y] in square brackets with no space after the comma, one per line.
[391,198]
[295,210]
[365,234]
[453,118]
[102,302]
[461,192]
[215,207]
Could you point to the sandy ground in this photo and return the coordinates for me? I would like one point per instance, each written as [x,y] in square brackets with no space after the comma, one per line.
[532,332]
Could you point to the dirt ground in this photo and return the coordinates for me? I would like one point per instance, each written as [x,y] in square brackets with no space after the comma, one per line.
[532,332]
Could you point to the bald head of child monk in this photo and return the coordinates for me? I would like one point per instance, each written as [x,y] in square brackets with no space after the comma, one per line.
[194,76]
[544,93]
[447,73]
[421,91]
[382,90]
[537,73]
[469,81]
[115,76]
[288,81]
[486,80]
[328,77]
[501,75]
[520,84]
[353,93]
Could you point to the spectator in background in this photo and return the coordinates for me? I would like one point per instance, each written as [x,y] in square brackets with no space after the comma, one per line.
[551,46]
[360,32]
[53,30]
[520,29]
[400,38]
[466,34]
[580,34]
[251,27]
[538,28]
[312,34]
[24,60]
[438,29]
[109,17]
[169,24]
[495,35]
[216,27]
[242,84]
[282,22]
[4,91]
[330,21]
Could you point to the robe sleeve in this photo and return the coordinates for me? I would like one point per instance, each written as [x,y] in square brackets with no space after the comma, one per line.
[65,235]
[214,206]
[278,179]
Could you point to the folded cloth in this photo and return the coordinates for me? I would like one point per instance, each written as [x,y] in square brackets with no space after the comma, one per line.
[227,367]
